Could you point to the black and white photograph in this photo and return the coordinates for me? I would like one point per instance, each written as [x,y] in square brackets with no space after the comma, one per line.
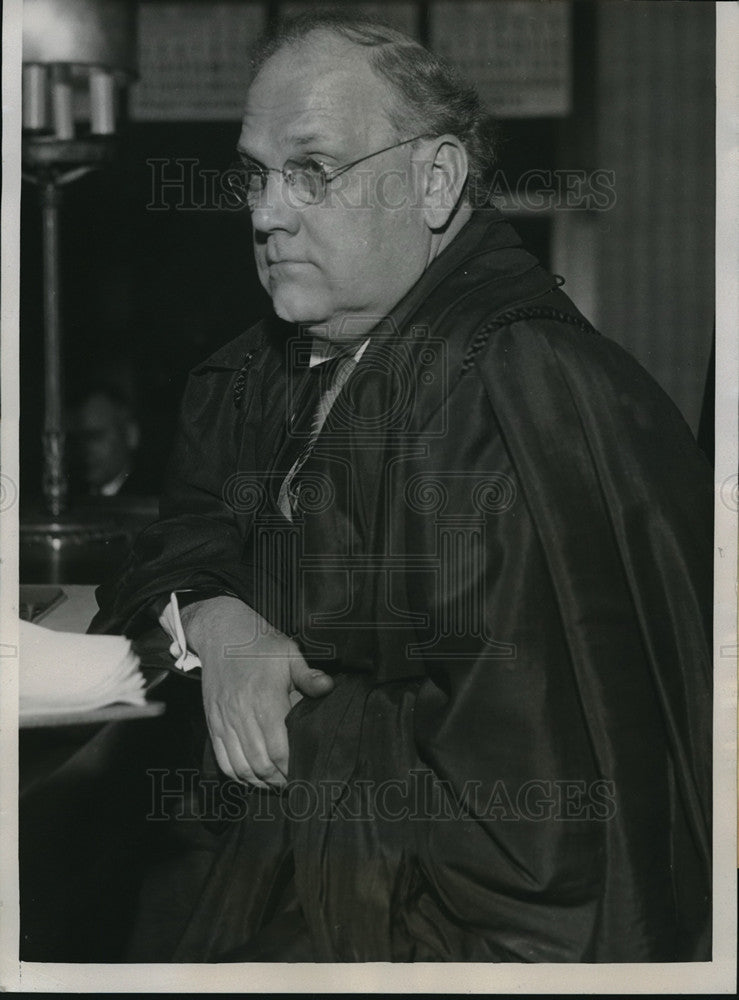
[369,496]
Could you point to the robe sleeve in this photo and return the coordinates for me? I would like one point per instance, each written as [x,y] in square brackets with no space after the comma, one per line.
[205,509]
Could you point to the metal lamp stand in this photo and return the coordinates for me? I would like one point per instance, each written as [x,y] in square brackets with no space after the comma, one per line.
[78,58]
[59,545]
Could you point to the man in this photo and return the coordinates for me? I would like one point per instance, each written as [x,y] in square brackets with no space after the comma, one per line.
[451,599]
[107,436]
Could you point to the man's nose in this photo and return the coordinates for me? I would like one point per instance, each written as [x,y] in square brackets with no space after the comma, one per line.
[275,207]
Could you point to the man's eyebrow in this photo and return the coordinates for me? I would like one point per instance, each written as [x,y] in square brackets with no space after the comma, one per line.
[309,139]
[301,140]
[240,151]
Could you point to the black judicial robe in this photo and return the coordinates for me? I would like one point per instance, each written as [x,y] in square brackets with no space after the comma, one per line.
[504,555]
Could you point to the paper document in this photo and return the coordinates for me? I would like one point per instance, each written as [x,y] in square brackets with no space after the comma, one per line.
[66,671]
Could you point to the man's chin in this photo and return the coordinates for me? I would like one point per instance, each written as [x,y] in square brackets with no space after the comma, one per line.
[298,309]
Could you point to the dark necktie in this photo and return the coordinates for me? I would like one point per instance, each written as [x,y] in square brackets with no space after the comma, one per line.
[326,381]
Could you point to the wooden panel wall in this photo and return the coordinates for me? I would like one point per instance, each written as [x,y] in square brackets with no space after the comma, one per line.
[655,128]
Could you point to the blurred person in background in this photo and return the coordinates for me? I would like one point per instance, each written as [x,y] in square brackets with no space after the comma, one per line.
[105,436]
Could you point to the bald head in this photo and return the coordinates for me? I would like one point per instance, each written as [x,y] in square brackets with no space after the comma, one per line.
[321,86]
[425,93]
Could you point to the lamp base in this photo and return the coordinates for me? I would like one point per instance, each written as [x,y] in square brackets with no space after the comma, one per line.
[41,152]
[84,545]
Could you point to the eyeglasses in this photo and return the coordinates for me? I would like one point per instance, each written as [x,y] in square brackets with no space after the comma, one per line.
[306,178]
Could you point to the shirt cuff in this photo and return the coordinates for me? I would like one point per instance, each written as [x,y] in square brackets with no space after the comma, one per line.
[169,619]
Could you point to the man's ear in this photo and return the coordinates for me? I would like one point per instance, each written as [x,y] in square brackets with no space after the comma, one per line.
[444,179]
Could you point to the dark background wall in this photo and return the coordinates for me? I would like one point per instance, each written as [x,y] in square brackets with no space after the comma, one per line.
[146,293]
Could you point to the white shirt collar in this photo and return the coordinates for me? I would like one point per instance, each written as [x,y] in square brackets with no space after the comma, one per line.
[112,488]
[322,350]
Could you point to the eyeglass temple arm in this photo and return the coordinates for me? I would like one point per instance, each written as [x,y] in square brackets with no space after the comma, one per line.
[347,166]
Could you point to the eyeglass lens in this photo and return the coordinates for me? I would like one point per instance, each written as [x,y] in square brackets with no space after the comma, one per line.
[305,180]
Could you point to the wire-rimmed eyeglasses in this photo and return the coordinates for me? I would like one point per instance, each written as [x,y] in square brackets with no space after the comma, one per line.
[306,178]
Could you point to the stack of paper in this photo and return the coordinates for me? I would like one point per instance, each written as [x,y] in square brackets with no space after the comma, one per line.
[68,672]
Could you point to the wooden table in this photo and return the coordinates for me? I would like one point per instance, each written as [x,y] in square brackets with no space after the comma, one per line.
[84,797]
[74,614]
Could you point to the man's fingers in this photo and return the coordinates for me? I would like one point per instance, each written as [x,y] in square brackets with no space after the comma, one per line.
[222,758]
[246,703]
[233,763]
[241,755]
[268,750]
[276,746]
[307,680]
[256,742]
[245,766]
